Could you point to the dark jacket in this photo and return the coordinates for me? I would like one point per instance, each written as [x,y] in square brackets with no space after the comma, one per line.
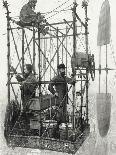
[28,87]
[61,88]
[27,14]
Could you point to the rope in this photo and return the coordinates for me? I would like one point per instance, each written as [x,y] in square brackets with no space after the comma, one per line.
[57,12]
[57,7]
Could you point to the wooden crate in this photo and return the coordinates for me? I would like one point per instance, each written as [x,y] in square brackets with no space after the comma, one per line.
[35,124]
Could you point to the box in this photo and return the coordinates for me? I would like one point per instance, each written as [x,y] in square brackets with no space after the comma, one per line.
[35,124]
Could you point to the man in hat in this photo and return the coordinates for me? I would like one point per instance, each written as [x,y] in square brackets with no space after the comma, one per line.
[61,91]
[28,85]
[28,16]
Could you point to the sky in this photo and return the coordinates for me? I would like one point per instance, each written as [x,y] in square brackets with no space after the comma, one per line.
[44,6]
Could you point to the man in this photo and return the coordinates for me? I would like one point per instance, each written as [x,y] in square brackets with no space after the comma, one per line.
[28,85]
[28,17]
[61,91]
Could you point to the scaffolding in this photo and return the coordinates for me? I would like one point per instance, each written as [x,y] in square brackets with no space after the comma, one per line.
[45,53]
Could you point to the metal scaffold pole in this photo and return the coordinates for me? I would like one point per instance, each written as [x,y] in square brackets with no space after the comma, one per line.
[8,52]
[23,33]
[39,67]
[39,61]
[50,76]
[86,40]
[66,52]
[74,51]
[34,54]
[57,49]
[62,50]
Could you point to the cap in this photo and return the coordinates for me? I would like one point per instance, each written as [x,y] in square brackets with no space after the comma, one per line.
[61,66]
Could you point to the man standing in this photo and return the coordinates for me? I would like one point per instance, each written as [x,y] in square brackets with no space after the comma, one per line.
[28,85]
[28,16]
[61,91]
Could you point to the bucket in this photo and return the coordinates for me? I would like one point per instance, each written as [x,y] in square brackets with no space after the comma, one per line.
[65,131]
[103,102]
[49,127]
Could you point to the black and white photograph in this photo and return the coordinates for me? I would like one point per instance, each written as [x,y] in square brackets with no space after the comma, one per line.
[58,77]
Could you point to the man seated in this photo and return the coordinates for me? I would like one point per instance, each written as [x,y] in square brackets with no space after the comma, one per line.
[28,86]
[28,17]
